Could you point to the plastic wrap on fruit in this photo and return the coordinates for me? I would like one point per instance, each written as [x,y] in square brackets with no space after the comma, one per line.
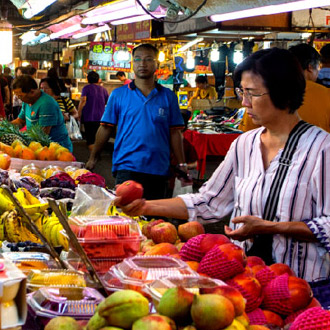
[92,178]
[4,179]
[28,183]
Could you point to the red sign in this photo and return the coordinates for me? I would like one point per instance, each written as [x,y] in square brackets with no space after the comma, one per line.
[110,56]
[133,31]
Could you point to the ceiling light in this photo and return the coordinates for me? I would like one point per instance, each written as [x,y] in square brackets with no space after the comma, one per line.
[93,31]
[45,39]
[80,44]
[190,44]
[215,54]
[33,7]
[270,10]
[190,62]
[68,30]
[161,56]
[133,19]
[238,57]
[6,37]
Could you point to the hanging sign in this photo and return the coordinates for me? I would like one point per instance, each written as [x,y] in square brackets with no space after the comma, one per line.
[110,56]
[319,43]
[134,31]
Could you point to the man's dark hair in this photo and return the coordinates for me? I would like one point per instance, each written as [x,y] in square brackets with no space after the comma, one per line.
[31,70]
[53,85]
[52,73]
[25,82]
[306,55]
[146,46]
[93,77]
[201,79]
[6,70]
[281,73]
[120,74]
[325,54]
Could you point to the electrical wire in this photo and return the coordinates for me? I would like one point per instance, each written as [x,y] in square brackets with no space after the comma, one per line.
[165,21]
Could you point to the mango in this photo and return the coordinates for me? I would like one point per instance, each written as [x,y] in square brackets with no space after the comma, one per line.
[154,322]
[96,322]
[212,312]
[236,325]
[63,323]
[176,303]
[123,307]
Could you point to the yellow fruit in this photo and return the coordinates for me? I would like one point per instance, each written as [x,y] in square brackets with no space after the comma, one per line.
[34,145]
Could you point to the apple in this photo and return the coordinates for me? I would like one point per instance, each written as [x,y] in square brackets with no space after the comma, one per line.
[250,288]
[230,293]
[233,252]
[280,269]
[254,260]
[147,245]
[189,230]
[211,240]
[146,229]
[273,318]
[129,191]
[5,161]
[164,232]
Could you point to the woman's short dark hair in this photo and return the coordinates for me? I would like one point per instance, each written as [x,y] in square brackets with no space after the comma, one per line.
[53,85]
[306,55]
[201,79]
[25,82]
[146,46]
[282,75]
[93,77]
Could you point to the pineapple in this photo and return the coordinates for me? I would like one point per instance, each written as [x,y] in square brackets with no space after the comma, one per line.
[10,138]
[9,133]
[36,133]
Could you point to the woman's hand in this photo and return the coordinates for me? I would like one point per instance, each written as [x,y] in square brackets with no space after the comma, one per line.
[137,207]
[251,226]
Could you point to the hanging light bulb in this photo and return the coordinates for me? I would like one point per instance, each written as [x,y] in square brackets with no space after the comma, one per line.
[215,55]
[161,56]
[190,63]
[123,54]
[238,56]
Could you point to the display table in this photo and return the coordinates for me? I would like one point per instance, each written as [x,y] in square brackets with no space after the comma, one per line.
[209,144]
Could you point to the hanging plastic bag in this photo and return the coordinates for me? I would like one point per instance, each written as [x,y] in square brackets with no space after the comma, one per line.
[181,187]
[73,129]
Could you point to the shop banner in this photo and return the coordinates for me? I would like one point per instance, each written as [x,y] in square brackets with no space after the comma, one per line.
[133,31]
[109,56]
[319,43]
[41,52]
[318,18]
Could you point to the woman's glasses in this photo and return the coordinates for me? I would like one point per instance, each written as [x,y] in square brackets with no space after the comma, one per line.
[247,93]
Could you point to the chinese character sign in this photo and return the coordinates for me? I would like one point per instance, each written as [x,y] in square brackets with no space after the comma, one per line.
[110,56]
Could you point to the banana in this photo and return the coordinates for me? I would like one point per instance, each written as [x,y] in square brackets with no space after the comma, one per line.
[35,208]
[2,230]
[47,228]
[26,235]
[5,202]
[20,196]
[12,226]
[31,199]
[63,241]
[54,234]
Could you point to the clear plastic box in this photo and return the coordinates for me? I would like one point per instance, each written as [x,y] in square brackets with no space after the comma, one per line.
[104,237]
[47,303]
[133,273]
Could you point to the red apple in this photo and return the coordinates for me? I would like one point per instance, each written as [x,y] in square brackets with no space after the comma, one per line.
[147,245]
[230,293]
[189,230]
[129,191]
[280,269]
[5,161]
[254,260]
[301,293]
[146,229]
[164,232]
[211,240]
[233,252]
[273,318]
[250,288]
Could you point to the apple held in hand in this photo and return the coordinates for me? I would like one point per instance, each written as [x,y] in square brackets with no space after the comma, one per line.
[129,191]
[189,230]
[5,161]
[164,233]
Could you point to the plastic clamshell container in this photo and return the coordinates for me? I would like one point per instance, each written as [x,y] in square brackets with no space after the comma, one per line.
[27,261]
[47,303]
[104,237]
[133,273]
[61,278]
[191,283]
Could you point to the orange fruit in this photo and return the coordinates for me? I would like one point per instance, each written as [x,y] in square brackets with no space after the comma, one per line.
[27,153]
[43,154]
[8,150]
[65,156]
[18,149]
[34,145]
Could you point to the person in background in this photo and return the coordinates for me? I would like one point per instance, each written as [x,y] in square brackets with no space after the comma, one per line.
[5,93]
[323,77]
[9,78]
[316,105]
[40,108]
[272,85]
[52,73]
[122,77]
[32,71]
[167,81]
[149,125]
[50,86]
[91,107]
[203,91]
[17,103]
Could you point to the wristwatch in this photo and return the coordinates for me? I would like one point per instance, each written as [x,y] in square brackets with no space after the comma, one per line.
[182,165]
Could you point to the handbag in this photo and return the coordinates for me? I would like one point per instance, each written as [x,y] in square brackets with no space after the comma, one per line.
[73,129]
[263,244]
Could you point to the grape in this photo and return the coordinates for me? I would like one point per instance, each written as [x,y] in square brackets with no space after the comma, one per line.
[21,244]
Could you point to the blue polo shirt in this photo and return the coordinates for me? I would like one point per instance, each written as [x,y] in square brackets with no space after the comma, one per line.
[46,112]
[143,123]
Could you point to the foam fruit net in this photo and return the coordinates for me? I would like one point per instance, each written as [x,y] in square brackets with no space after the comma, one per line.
[314,318]
[191,249]
[265,275]
[257,317]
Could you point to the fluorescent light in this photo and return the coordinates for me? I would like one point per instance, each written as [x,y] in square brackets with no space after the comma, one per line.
[190,44]
[33,7]
[80,44]
[270,10]
[190,63]
[133,19]
[6,54]
[28,37]
[45,39]
[161,56]
[70,29]
[93,31]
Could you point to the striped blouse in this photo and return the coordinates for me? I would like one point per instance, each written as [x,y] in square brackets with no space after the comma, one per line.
[240,186]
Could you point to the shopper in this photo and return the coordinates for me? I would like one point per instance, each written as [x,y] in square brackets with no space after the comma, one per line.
[272,85]
[324,74]
[203,91]
[17,103]
[122,77]
[40,108]
[91,107]
[149,124]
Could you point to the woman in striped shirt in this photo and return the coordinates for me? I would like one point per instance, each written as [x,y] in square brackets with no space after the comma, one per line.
[272,87]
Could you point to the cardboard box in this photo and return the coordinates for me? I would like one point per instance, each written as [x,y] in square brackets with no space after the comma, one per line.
[202,104]
[12,289]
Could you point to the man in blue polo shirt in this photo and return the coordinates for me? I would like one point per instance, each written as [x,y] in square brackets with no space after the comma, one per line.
[149,125]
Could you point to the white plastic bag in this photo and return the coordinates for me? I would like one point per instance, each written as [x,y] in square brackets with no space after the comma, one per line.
[181,187]
[73,129]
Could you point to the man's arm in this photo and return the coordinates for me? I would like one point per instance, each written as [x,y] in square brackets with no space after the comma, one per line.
[7,99]
[81,105]
[47,129]
[19,122]
[102,136]
[177,145]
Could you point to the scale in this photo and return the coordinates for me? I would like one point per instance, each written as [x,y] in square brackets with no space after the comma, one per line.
[183,99]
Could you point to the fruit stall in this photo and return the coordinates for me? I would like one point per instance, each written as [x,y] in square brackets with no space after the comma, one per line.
[71,260]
